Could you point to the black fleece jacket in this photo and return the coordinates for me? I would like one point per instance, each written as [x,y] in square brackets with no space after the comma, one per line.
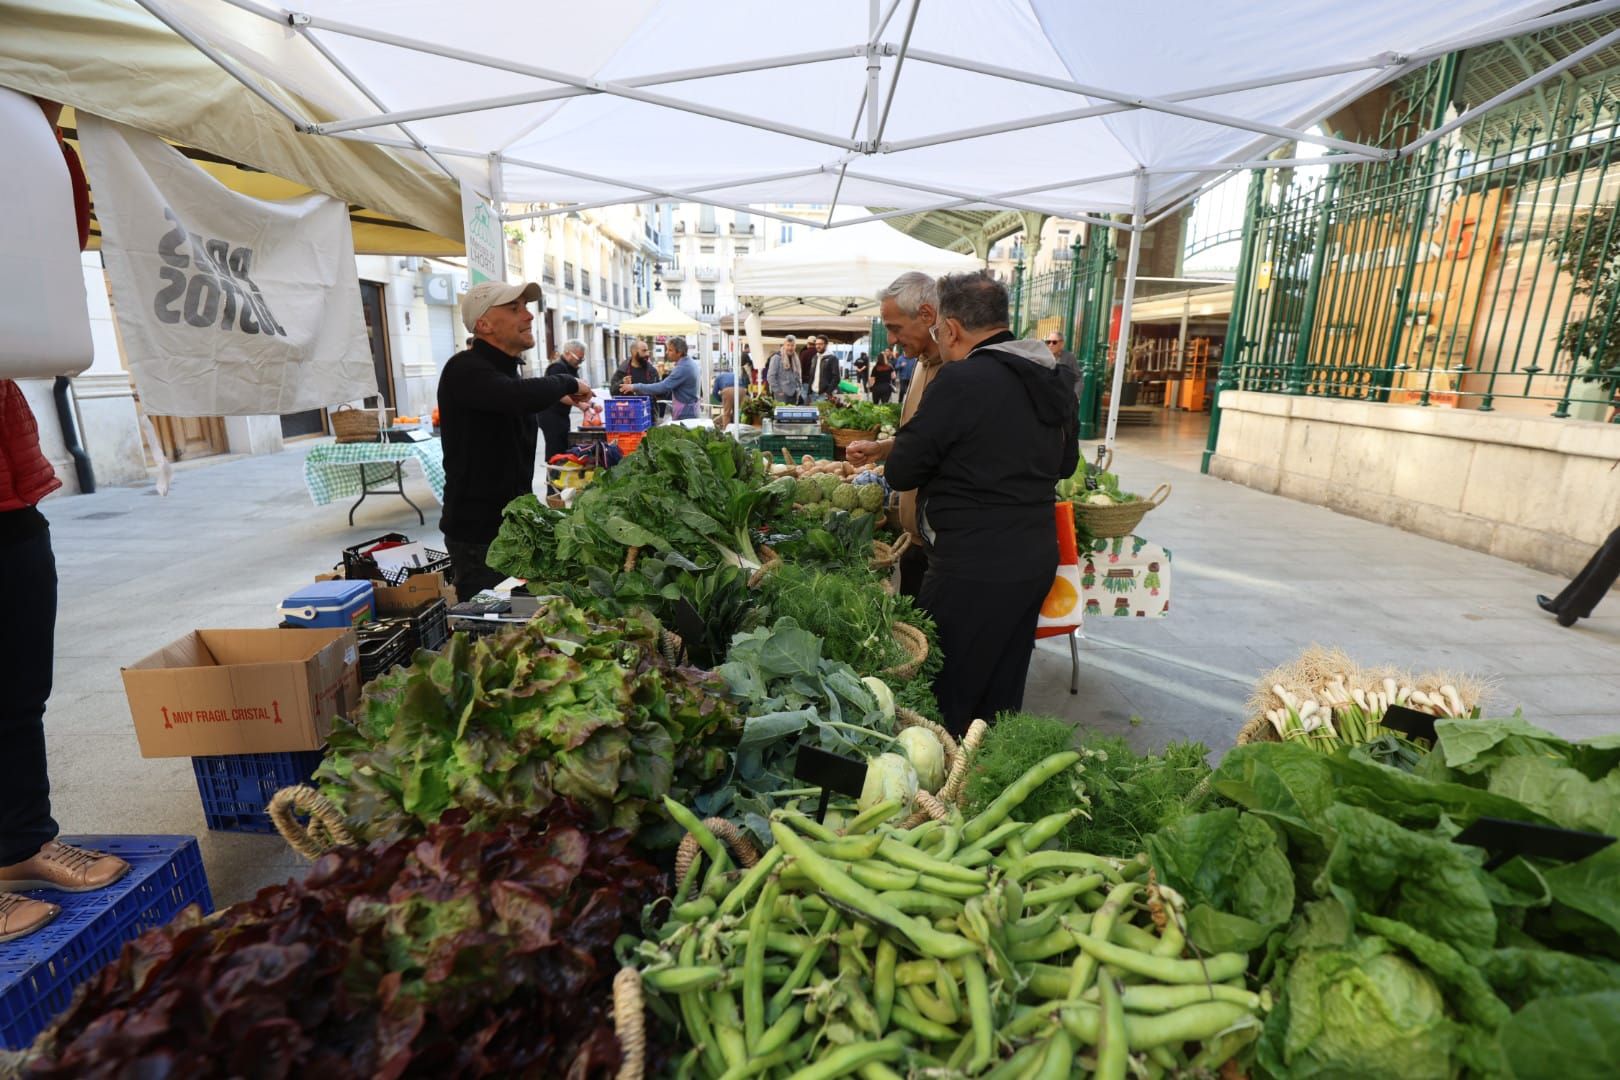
[985,451]
[487,420]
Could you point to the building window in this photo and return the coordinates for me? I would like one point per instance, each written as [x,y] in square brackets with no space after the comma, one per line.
[708,301]
[675,297]
[706,218]
[787,234]
[548,272]
[585,282]
[602,281]
[568,275]
[742,249]
[707,247]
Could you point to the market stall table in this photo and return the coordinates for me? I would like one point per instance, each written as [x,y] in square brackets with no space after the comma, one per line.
[339,470]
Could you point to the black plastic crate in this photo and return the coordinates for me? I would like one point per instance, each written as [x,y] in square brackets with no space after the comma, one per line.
[431,626]
[383,647]
[359,565]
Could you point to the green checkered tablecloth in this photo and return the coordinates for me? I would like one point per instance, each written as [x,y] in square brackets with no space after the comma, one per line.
[332,470]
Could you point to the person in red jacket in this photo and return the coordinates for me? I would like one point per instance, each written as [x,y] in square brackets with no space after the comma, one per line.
[30,855]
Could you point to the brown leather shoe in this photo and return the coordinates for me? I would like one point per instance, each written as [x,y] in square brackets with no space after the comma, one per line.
[67,869]
[21,916]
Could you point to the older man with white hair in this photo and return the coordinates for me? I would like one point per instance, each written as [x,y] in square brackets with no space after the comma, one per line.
[909,306]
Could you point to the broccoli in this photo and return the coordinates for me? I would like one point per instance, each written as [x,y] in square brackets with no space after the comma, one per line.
[869,497]
[844,497]
[806,491]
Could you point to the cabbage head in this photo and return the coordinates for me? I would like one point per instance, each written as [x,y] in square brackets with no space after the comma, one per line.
[1366,1011]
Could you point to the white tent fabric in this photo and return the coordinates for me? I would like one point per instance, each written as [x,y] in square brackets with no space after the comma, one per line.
[1029,104]
[663,318]
[837,272]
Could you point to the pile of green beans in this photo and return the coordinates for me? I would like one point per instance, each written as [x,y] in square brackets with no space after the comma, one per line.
[968,947]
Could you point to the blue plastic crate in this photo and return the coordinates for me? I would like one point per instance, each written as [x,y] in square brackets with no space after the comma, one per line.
[39,973]
[236,788]
[627,414]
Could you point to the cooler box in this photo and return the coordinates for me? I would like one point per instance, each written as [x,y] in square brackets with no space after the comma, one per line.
[330,605]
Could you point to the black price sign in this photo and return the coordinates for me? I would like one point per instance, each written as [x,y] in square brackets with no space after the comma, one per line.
[830,772]
[1504,839]
[1410,722]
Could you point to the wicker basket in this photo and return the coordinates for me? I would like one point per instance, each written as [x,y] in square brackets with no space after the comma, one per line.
[937,806]
[1107,522]
[915,642]
[350,424]
[1258,729]
[885,556]
[843,436]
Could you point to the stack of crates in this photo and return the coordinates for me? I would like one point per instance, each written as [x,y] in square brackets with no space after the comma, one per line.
[627,420]
[39,973]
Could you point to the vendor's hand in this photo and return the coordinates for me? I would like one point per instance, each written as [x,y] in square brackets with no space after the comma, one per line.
[585,392]
[866,452]
[624,387]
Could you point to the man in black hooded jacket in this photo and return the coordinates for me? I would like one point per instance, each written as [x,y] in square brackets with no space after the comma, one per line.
[985,453]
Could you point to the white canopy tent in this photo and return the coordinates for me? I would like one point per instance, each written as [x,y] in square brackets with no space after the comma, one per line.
[837,272]
[1038,105]
[664,319]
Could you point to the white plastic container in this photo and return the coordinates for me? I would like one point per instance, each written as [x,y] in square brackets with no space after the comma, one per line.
[44,320]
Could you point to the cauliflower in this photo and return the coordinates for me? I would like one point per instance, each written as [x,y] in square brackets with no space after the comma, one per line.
[806,491]
[845,497]
[869,497]
[1098,498]
[829,483]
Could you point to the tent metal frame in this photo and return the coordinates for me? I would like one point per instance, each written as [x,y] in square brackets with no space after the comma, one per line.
[1382,67]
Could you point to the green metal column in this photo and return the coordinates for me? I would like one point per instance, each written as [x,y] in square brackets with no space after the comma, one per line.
[1232,350]
[1093,325]
[1313,286]
[1018,299]
[1403,294]
[1074,296]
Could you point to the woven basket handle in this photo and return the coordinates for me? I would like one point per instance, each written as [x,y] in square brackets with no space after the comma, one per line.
[956,783]
[326,829]
[629,1023]
[1107,461]
[1160,493]
[742,849]
[900,546]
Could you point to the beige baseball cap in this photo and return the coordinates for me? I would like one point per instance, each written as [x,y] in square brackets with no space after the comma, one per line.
[487,294]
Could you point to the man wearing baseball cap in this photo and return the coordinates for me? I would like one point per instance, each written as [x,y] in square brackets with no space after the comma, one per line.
[488,421]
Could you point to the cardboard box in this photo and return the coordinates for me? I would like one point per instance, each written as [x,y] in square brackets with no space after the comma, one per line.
[412,594]
[243,691]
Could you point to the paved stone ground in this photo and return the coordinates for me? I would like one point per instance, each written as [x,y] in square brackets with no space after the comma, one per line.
[1257,577]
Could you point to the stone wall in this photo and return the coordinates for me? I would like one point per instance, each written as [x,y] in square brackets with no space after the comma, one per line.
[1536,490]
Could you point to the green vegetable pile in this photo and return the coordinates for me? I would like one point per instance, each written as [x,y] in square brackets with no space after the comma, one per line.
[791,694]
[860,415]
[687,494]
[1393,950]
[961,948]
[1126,796]
[502,726]
[848,609]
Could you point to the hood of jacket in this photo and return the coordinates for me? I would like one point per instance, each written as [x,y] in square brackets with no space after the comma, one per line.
[1050,385]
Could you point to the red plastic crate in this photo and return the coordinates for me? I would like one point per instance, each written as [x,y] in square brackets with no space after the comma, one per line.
[39,973]
[627,441]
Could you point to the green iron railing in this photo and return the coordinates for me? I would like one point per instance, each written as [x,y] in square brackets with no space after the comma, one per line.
[1073,299]
[1482,273]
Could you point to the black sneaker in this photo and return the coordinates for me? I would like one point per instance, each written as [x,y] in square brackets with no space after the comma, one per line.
[1546,604]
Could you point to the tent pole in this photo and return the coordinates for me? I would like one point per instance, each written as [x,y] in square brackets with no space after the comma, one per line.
[225,63]
[739,387]
[497,200]
[1122,354]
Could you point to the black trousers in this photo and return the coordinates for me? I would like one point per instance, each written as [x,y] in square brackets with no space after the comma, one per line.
[913,566]
[27,641]
[471,571]
[987,632]
[1592,584]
